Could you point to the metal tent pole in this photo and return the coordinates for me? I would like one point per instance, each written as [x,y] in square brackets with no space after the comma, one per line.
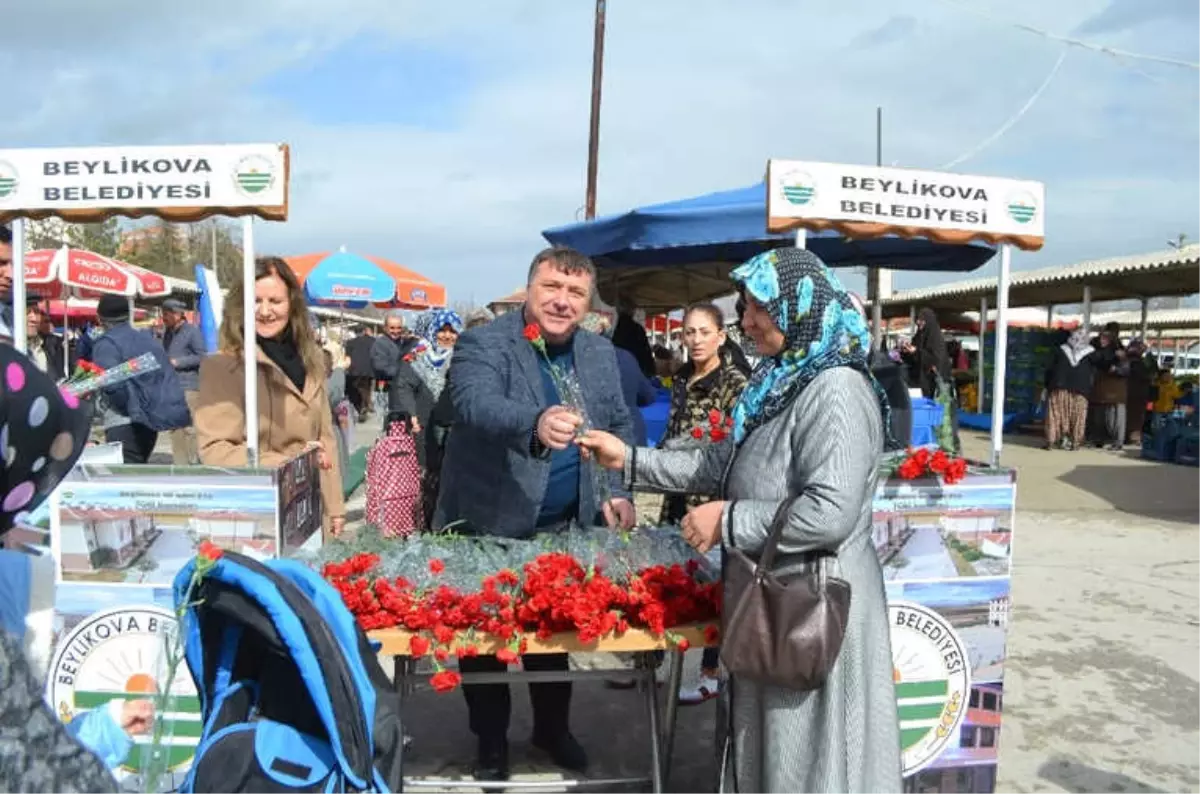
[1001,353]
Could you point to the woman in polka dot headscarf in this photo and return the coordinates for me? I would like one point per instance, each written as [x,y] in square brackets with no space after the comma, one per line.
[42,432]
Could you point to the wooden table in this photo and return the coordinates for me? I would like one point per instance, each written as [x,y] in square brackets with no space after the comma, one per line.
[645,647]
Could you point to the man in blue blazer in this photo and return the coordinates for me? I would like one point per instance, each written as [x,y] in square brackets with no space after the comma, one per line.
[512,467]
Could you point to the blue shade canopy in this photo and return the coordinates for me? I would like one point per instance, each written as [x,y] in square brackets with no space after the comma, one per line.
[348,280]
[665,255]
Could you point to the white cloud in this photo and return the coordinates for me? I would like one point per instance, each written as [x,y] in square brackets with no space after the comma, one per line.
[697,96]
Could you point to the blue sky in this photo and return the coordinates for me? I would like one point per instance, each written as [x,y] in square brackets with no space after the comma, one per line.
[446,135]
[967,591]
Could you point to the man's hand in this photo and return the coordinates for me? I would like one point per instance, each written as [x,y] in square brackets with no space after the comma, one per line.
[137,717]
[620,514]
[337,525]
[174,363]
[557,427]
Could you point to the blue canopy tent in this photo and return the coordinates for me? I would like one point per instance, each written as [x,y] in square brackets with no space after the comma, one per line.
[666,255]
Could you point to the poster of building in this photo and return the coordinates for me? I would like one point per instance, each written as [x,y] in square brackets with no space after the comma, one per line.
[139,525]
[946,556]
[109,648]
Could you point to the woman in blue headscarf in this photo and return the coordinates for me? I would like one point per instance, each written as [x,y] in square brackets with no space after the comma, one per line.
[809,430]
[417,393]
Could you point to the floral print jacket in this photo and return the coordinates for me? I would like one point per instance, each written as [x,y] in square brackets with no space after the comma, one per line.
[691,404]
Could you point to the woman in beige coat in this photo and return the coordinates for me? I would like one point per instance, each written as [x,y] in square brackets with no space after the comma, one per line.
[293,408]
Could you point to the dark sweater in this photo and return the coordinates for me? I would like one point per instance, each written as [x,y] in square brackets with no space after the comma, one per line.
[1064,377]
[561,500]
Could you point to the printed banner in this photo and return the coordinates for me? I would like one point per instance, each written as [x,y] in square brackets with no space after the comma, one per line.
[180,181]
[943,206]
[946,556]
[139,525]
[110,648]
[119,535]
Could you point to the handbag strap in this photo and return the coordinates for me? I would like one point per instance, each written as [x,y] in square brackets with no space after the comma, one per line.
[767,558]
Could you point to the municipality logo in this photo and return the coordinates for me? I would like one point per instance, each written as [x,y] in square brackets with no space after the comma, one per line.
[932,677]
[1022,207]
[9,180]
[254,174]
[120,654]
[798,188]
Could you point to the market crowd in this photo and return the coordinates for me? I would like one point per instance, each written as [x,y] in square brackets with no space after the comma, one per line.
[528,422]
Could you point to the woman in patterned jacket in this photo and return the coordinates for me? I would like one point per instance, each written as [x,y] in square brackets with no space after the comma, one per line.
[706,387]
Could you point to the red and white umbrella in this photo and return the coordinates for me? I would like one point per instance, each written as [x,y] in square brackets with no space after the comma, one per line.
[54,271]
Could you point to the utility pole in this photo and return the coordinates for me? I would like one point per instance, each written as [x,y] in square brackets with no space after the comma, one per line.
[589,211]
[873,273]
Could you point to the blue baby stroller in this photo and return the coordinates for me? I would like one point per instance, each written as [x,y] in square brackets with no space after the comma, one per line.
[292,694]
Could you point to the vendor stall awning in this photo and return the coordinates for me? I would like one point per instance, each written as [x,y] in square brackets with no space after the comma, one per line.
[667,255]
[1175,271]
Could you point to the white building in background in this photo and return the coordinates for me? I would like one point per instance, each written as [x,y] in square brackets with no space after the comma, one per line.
[229,529]
[95,538]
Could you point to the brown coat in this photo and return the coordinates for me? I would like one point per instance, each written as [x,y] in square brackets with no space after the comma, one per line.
[288,421]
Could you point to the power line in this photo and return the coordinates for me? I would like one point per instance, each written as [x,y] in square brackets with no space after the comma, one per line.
[1006,126]
[1087,45]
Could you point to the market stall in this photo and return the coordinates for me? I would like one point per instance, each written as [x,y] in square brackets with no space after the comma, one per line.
[436,598]
[119,534]
[942,528]
[664,256]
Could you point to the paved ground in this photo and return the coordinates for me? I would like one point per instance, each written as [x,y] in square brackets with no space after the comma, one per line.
[1101,687]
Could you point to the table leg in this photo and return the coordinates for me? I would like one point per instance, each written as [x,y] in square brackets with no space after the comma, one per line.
[404,670]
[646,682]
[671,692]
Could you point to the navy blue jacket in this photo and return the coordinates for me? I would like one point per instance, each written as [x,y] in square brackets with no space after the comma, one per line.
[154,399]
[490,477]
[637,391]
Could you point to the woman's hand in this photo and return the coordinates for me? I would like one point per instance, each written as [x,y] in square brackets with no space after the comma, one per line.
[137,717]
[608,450]
[337,525]
[323,459]
[702,526]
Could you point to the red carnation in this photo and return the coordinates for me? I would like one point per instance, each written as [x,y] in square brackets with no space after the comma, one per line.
[716,434]
[697,432]
[711,634]
[418,645]
[445,681]
[532,332]
[729,421]
[209,550]
[436,566]
[682,644]
[714,417]
[507,655]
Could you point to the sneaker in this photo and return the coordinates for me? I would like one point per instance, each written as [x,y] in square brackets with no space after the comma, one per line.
[705,689]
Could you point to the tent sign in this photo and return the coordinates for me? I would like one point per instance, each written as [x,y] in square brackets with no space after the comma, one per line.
[184,180]
[873,201]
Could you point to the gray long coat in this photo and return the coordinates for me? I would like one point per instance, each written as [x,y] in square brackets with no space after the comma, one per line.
[823,448]
[490,478]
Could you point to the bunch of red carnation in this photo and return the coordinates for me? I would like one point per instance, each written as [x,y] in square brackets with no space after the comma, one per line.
[555,593]
[923,463]
[718,427]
